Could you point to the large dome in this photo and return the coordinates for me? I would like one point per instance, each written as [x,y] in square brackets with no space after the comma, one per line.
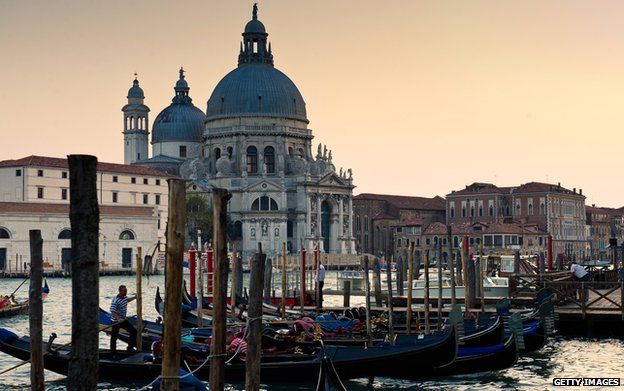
[256,90]
[181,121]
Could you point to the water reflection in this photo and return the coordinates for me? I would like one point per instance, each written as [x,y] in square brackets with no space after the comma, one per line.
[560,357]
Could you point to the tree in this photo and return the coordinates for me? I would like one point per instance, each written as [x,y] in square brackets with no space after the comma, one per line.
[198,217]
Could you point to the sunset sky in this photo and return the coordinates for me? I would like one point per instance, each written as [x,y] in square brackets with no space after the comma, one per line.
[417,97]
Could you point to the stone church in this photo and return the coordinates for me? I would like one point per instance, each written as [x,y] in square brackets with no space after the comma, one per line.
[254,141]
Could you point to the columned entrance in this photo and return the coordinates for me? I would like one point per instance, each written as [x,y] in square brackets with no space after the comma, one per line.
[326,224]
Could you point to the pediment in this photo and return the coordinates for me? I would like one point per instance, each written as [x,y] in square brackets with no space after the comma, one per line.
[262,186]
[332,179]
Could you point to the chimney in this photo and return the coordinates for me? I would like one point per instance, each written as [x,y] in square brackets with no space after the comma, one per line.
[581,191]
[574,190]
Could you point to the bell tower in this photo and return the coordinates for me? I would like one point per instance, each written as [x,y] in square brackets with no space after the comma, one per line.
[136,132]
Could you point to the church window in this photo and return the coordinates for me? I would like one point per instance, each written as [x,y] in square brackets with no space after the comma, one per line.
[4,234]
[182,150]
[269,160]
[138,156]
[255,47]
[230,150]
[366,223]
[126,235]
[264,203]
[289,229]
[290,151]
[222,103]
[65,234]
[301,154]
[252,160]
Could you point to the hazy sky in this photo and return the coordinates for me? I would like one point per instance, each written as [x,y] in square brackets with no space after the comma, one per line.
[417,97]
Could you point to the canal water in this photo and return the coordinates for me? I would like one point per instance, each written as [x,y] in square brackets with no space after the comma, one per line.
[560,358]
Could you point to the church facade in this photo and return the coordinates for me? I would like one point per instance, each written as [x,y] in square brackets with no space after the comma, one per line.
[255,142]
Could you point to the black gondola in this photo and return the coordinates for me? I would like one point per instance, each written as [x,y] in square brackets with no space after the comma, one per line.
[482,359]
[406,361]
[328,379]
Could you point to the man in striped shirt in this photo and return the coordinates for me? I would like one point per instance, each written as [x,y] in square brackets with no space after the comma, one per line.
[235,345]
[118,309]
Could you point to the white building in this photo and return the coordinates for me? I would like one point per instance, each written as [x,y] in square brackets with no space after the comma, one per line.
[34,194]
[255,142]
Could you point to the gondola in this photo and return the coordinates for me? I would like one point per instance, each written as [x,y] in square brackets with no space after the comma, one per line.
[328,379]
[481,359]
[21,308]
[411,360]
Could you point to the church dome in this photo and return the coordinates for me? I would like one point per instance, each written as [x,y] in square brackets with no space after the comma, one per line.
[255,26]
[256,88]
[135,91]
[181,121]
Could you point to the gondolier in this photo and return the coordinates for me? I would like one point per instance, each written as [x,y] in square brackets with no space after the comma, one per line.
[118,310]
[320,278]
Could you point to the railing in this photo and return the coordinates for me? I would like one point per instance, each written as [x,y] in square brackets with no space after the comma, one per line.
[589,296]
[531,283]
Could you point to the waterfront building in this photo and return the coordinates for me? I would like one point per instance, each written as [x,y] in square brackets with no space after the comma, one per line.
[35,195]
[255,142]
[553,209]
[601,227]
[387,224]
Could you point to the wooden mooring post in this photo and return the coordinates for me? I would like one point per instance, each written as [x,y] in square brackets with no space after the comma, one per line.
[426,299]
[84,216]
[377,281]
[254,337]
[284,275]
[480,275]
[346,293]
[440,285]
[268,271]
[35,311]
[399,276]
[200,282]
[369,336]
[139,298]
[410,279]
[390,309]
[236,275]
[220,198]
[450,260]
[176,221]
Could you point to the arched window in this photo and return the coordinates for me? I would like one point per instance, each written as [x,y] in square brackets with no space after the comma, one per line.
[269,160]
[126,235]
[230,151]
[472,211]
[491,211]
[4,234]
[252,160]
[290,151]
[217,154]
[452,212]
[264,203]
[65,234]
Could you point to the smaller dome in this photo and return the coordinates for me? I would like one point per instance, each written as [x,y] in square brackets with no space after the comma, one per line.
[181,84]
[179,122]
[135,91]
[255,26]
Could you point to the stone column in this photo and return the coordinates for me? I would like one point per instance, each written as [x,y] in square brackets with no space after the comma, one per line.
[309,216]
[341,218]
[350,217]
[318,216]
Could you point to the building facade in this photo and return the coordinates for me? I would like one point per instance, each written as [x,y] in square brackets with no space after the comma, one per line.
[553,209]
[35,195]
[255,142]
[386,224]
[600,224]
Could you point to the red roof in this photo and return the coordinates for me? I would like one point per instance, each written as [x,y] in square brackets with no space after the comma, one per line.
[55,162]
[409,223]
[530,187]
[383,216]
[481,188]
[539,187]
[406,202]
[48,208]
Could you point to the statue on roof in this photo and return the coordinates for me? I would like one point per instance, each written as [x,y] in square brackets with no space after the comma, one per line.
[255,11]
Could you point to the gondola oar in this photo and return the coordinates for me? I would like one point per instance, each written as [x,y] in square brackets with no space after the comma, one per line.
[328,379]
[19,286]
